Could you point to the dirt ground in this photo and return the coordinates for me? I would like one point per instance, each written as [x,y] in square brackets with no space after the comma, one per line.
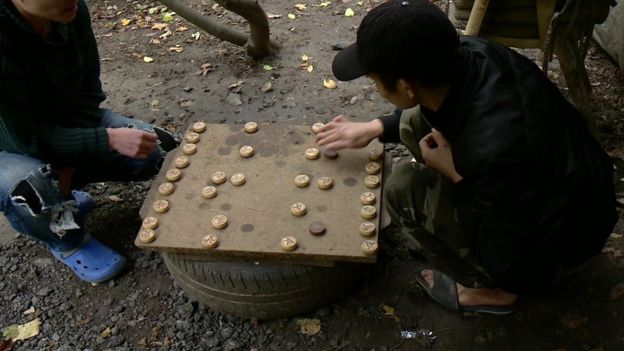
[216,81]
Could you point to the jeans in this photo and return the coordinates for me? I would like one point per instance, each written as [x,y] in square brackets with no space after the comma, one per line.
[33,204]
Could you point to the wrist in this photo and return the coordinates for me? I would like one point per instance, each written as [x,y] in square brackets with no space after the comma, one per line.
[376,128]
[455,177]
[110,133]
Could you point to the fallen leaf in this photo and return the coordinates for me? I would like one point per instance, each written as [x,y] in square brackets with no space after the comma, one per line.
[153,10]
[155,103]
[155,41]
[236,85]
[309,326]
[616,292]
[310,68]
[205,69]
[329,83]
[267,67]
[25,331]
[349,12]
[273,16]
[215,6]
[168,16]
[268,86]
[360,3]
[388,311]
[305,58]
[165,35]
[125,21]
[181,29]
[573,320]
[325,4]
[159,26]
[31,310]
[291,16]
[301,7]
[196,35]
[115,198]
[148,59]
[176,48]
[106,332]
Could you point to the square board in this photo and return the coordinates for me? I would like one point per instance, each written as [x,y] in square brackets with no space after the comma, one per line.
[259,211]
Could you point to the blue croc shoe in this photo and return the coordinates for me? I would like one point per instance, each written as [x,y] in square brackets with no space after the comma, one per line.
[84,202]
[92,261]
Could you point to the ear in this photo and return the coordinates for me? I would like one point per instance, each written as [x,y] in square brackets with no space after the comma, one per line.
[408,88]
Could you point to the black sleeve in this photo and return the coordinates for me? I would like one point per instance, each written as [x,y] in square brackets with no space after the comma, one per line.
[391,128]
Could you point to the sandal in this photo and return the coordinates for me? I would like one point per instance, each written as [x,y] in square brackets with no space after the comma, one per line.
[444,291]
[92,261]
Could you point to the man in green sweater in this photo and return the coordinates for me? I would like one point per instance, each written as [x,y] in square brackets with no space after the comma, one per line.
[54,137]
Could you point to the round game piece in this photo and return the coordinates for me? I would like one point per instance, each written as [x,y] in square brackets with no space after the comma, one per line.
[251,127]
[369,247]
[219,221]
[289,243]
[373,168]
[246,151]
[210,241]
[209,192]
[312,153]
[146,235]
[302,180]
[368,229]
[237,179]
[317,228]
[161,206]
[192,137]
[166,188]
[368,212]
[218,177]
[199,127]
[316,127]
[372,181]
[325,183]
[375,154]
[368,198]
[331,154]
[189,149]
[150,222]
[298,209]
[182,162]
[173,174]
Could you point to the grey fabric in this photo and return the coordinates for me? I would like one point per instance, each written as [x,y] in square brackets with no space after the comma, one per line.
[610,34]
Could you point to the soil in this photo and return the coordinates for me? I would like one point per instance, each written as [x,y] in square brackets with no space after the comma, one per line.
[144,309]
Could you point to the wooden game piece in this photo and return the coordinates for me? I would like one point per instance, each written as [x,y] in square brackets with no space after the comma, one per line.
[373,168]
[147,235]
[150,222]
[173,174]
[237,179]
[219,221]
[210,241]
[288,243]
[369,247]
[246,151]
[372,181]
[368,212]
[316,127]
[166,188]
[209,192]
[298,209]
[312,153]
[182,162]
[192,137]
[161,206]
[199,127]
[325,183]
[189,149]
[251,127]
[368,198]
[331,154]
[375,154]
[368,229]
[302,180]
[317,228]
[218,177]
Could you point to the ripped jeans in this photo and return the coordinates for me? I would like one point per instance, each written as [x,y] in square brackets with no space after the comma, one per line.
[30,196]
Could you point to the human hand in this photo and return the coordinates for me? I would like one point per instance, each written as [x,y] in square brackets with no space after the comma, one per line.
[131,142]
[437,154]
[342,133]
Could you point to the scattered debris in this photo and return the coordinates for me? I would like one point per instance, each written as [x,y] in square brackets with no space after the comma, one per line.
[329,83]
[17,332]
[309,327]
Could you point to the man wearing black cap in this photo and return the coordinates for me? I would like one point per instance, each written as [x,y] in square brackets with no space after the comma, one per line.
[510,188]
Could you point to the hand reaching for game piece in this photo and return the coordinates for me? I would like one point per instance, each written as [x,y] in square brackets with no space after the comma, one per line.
[131,142]
[342,133]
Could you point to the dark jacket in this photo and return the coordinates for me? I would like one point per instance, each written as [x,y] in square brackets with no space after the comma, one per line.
[537,189]
[50,89]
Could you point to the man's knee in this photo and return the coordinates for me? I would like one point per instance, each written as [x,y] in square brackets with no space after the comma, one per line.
[36,191]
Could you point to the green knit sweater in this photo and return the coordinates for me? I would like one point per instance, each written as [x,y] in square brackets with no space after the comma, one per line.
[50,89]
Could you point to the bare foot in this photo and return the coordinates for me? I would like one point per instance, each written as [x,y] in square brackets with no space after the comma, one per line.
[477,297]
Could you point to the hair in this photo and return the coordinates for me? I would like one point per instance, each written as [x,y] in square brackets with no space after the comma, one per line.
[408,39]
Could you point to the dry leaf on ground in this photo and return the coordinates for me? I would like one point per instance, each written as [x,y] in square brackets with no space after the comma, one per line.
[148,59]
[25,331]
[125,21]
[309,326]
[291,16]
[329,83]
[176,48]
[159,26]
[301,7]
[349,12]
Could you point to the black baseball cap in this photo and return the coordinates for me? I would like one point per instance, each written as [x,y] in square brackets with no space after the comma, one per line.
[402,38]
